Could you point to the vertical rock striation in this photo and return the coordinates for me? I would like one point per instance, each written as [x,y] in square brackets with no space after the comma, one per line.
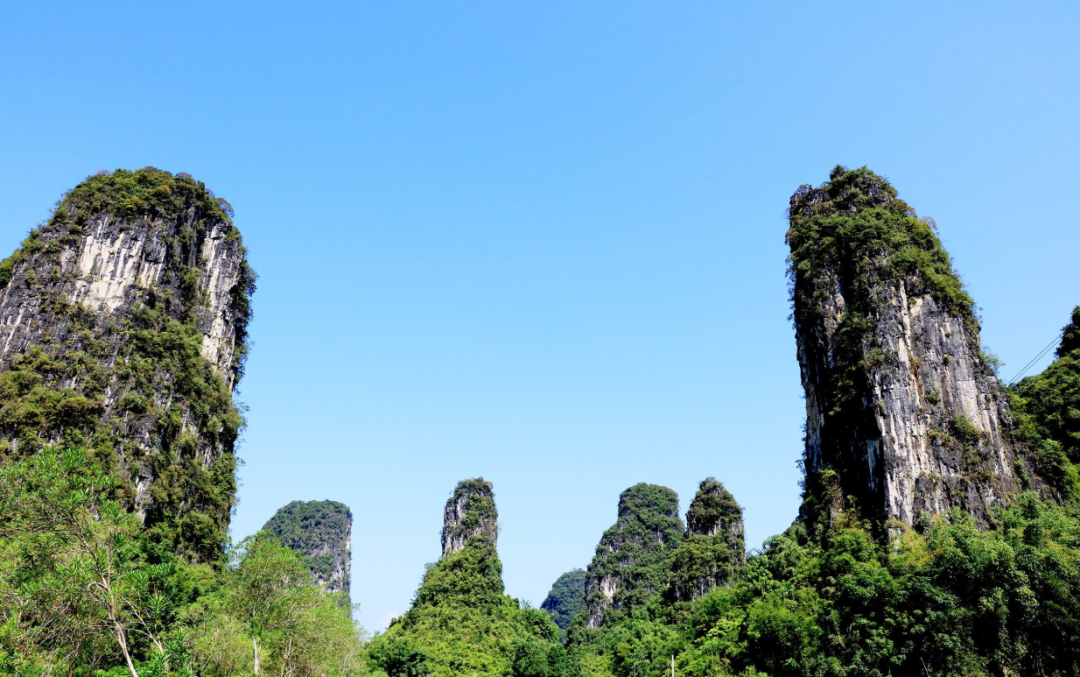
[633,560]
[470,513]
[321,531]
[123,322]
[715,546]
[904,413]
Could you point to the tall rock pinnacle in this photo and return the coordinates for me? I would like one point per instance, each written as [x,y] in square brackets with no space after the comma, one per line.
[715,547]
[122,331]
[470,513]
[633,560]
[904,413]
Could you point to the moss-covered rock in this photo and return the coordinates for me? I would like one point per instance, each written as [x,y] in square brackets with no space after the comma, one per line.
[903,406]
[125,324]
[321,531]
[633,559]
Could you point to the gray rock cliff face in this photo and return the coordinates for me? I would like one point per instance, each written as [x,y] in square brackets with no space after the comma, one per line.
[130,308]
[321,531]
[469,513]
[902,408]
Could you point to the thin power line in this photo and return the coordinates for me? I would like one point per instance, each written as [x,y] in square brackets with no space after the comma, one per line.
[1035,359]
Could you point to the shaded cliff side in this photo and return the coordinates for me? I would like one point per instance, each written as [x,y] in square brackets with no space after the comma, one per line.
[321,531]
[123,325]
[904,412]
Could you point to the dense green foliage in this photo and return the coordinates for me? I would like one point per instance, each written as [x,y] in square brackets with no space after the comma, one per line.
[701,563]
[268,616]
[314,529]
[1047,410]
[84,589]
[147,359]
[565,598]
[461,623]
[954,600]
[855,227]
[636,553]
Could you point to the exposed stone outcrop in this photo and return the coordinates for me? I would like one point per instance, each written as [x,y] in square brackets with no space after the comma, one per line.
[321,531]
[122,330]
[633,560]
[715,546]
[470,513]
[903,412]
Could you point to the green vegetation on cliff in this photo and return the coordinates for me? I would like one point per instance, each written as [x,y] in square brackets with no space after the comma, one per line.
[132,385]
[854,225]
[953,600]
[1048,414]
[320,532]
[714,548]
[634,557]
[470,513]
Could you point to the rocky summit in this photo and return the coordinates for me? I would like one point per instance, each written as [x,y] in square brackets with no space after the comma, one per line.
[470,512]
[123,326]
[904,411]
[633,557]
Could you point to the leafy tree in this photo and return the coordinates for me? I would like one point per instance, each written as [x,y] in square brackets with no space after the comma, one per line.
[461,622]
[268,604]
[78,570]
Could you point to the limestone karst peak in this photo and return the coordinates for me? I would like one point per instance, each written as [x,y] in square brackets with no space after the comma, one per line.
[321,531]
[470,514]
[632,561]
[904,411]
[714,511]
[124,332]
[715,546]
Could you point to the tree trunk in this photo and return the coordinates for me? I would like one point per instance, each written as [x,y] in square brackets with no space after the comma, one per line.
[254,643]
[122,641]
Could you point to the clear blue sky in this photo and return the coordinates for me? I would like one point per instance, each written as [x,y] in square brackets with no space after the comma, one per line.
[544,242]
